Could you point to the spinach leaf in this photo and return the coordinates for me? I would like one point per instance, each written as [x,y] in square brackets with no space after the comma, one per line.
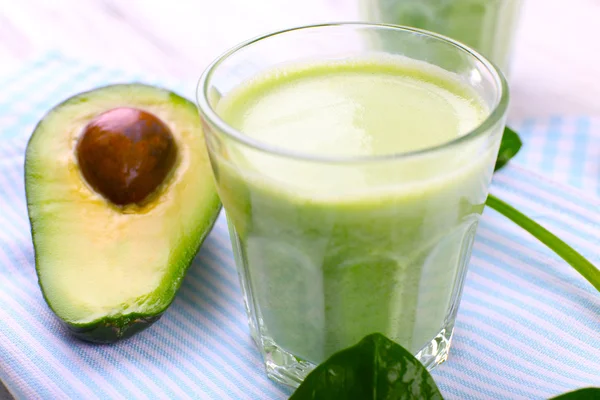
[374,369]
[581,394]
[509,147]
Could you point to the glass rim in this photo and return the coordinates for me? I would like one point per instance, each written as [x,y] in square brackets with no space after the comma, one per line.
[496,113]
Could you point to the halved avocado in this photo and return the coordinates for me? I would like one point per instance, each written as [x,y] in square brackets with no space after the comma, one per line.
[120,196]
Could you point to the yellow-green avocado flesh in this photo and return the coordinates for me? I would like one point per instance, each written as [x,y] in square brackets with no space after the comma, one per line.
[107,271]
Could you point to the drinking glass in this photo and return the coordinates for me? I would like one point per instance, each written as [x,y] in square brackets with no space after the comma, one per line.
[486,25]
[330,249]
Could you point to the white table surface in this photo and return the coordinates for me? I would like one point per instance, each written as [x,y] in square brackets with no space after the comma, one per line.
[555,70]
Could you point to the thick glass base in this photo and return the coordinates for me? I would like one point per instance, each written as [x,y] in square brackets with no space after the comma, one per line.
[287,369]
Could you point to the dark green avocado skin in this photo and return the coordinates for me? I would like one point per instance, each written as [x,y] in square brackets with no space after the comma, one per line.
[112,331]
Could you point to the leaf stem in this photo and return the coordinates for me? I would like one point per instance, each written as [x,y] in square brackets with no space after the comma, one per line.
[566,252]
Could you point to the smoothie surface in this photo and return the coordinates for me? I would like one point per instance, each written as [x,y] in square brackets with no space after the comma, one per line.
[361,107]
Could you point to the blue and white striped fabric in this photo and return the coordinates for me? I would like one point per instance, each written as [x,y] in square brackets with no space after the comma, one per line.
[566,150]
[528,326]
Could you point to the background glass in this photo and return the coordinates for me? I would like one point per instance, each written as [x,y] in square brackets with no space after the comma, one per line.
[317,276]
[486,25]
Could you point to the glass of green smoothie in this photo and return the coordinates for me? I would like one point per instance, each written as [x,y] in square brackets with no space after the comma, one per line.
[486,25]
[353,179]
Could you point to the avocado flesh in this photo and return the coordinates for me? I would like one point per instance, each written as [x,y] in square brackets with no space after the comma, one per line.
[109,271]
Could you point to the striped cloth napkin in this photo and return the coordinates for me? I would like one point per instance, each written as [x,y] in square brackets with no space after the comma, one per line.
[528,325]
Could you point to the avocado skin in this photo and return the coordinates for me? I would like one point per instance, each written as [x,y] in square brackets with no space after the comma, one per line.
[113,329]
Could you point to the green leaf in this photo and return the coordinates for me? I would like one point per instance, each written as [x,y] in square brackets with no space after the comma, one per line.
[374,369]
[553,242]
[581,394]
[509,147]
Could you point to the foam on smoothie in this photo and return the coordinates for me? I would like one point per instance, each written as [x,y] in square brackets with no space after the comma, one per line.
[360,107]
[382,105]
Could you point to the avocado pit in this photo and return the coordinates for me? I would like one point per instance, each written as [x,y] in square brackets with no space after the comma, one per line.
[125,154]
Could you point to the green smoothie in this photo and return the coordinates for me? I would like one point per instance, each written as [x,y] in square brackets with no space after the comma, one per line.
[333,251]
